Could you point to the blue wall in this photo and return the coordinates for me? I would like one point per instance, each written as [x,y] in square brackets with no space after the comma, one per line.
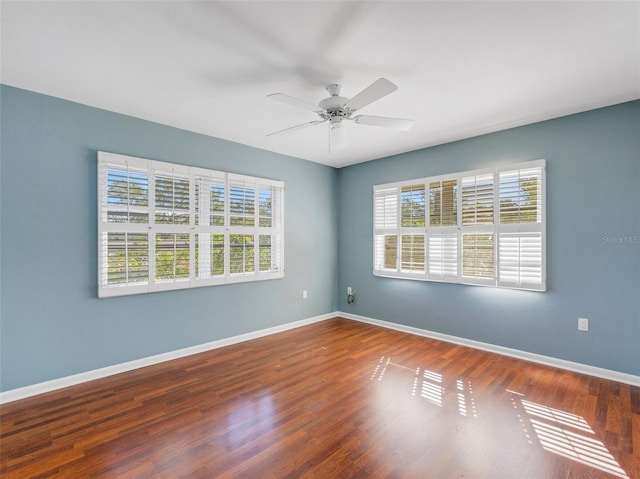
[52,323]
[593,191]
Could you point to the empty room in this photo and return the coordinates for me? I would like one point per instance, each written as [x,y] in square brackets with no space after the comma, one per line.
[320,239]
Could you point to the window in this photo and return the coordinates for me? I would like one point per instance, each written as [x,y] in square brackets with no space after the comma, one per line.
[484,227]
[165,226]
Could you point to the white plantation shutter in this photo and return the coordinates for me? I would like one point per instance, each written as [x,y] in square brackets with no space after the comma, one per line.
[242,200]
[127,258]
[412,253]
[477,230]
[242,259]
[386,209]
[126,194]
[269,227]
[478,258]
[477,199]
[170,248]
[412,232]
[255,227]
[520,261]
[242,225]
[412,211]
[123,225]
[443,203]
[171,195]
[210,196]
[386,203]
[166,226]
[484,227]
[209,261]
[520,196]
[521,228]
[443,257]
[210,235]
[172,257]
[442,244]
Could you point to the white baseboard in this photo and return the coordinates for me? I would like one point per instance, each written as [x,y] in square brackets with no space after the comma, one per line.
[47,386]
[514,353]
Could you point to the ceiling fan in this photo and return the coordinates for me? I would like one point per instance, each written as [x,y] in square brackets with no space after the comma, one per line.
[336,110]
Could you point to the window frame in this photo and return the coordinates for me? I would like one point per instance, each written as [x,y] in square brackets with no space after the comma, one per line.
[198,226]
[530,235]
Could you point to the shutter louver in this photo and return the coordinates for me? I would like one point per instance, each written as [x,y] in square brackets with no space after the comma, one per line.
[242,202]
[443,203]
[520,196]
[276,253]
[172,256]
[412,210]
[216,203]
[390,252]
[265,201]
[210,198]
[477,200]
[172,199]
[127,196]
[478,256]
[386,209]
[209,255]
[412,253]
[217,254]
[386,253]
[443,256]
[242,257]
[127,258]
[520,262]
[265,253]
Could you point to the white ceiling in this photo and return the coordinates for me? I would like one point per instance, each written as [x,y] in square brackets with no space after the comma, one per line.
[463,68]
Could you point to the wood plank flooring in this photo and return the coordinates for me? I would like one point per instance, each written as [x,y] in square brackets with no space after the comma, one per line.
[336,399]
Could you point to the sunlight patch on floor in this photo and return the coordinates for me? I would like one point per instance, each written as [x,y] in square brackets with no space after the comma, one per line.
[428,385]
[559,432]
[466,402]
[567,435]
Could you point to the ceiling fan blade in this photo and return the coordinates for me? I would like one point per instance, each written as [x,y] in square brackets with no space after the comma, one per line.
[295,102]
[379,88]
[384,121]
[337,137]
[297,127]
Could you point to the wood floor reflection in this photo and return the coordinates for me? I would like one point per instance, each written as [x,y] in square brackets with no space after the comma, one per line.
[336,399]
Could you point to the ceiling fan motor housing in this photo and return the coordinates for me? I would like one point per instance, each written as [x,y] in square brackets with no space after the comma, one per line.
[333,106]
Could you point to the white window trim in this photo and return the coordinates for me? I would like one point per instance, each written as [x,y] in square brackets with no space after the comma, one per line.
[459,229]
[153,167]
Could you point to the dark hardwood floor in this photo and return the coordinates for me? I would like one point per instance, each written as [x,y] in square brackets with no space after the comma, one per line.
[336,399]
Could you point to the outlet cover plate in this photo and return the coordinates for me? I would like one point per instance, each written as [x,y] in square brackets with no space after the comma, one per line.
[583,324]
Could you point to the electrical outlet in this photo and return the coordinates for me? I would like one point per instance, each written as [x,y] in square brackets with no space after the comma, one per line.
[304,294]
[583,324]
[349,290]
